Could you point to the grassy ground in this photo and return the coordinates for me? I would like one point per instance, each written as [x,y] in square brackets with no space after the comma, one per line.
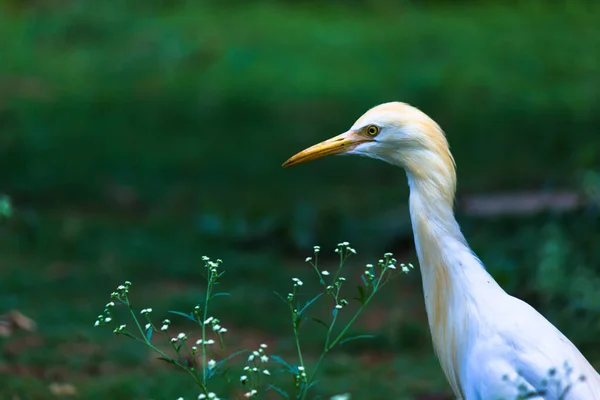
[66,285]
[135,138]
[63,284]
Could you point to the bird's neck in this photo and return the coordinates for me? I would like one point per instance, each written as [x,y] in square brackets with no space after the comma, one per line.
[451,272]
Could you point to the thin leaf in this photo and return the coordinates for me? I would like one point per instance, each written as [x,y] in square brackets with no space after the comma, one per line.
[189,316]
[168,360]
[356,338]
[278,390]
[364,280]
[220,294]
[313,383]
[223,361]
[210,373]
[282,362]
[361,294]
[149,334]
[282,299]
[320,321]
[310,302]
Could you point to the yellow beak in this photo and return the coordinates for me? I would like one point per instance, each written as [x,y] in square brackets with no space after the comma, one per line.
[336,145]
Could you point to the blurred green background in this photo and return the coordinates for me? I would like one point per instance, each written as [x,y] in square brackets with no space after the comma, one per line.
[137,136]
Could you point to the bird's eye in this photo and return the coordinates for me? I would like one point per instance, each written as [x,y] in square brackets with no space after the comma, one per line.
[373,130]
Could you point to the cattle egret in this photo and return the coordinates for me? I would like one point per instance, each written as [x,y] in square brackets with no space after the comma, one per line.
[488,342]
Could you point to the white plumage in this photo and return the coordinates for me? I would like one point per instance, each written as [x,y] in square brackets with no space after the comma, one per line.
[490,345]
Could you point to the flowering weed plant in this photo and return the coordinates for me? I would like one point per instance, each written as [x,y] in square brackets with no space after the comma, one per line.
[255,378]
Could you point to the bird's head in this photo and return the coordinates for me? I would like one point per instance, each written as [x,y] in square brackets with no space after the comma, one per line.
[396,133]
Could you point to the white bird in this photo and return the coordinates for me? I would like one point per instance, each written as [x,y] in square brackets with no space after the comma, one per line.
[490,344]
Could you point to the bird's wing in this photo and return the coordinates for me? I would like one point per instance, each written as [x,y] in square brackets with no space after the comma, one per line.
[527,354]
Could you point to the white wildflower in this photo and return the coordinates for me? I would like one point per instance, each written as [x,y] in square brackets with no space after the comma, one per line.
[345,396]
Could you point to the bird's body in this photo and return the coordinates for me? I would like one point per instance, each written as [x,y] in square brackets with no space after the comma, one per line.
[490,345]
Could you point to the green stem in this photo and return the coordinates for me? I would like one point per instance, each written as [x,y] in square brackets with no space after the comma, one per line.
[126,301]
[342,259]
[166,357]
[297,338]
[145,341]
[339,337]
[204,362]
